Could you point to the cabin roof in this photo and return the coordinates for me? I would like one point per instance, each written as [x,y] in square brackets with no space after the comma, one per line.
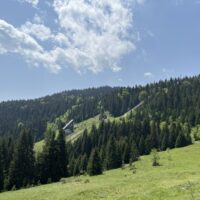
[68,124]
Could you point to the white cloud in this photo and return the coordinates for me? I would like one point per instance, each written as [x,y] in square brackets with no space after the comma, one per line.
[33,2]
[13,40]
[97,30]
[39,31]
[148,74]
[92,35]
[141,2]
[37,19]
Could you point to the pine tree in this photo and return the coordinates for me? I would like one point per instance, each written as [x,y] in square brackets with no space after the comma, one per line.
[22,168]
[95,164]
[142,145]
[172,135]
[62,154]
[77,166]
[126,153]
[134,154]
[113,157]
[84,161]
[164,138]
[48,160]
[155,157]
[1,172]
[181,140]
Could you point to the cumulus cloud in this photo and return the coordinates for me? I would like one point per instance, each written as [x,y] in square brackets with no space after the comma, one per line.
[141,2]
[148,74]
[98,31]
[39,31]
[91,35]
[13,40]
[34,3]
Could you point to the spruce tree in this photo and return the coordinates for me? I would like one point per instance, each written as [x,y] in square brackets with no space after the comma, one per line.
[84,161]
[77,167]
[62,154]
[22,168]
[113,157]
[134,154]
[181,140]
[95,164]
[48,160]
[155,157]
[1,172]
[164,138]
[142,145]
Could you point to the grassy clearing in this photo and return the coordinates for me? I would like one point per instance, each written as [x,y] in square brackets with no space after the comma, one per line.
[79,127]
[78,130]
[178,178]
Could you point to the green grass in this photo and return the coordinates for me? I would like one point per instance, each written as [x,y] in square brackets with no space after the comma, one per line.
[80,127]
[178,178]
[78,130]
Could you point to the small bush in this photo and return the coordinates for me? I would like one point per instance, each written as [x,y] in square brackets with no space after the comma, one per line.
[49,180]
[133,168]
[62,180]
[155,158]
[87,181]
[77,180]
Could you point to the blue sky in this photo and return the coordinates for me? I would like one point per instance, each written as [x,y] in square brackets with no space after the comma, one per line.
[55,45]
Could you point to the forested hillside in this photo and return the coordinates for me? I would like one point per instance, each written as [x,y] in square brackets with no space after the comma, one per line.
[167,113]
[177,98]
[36,113]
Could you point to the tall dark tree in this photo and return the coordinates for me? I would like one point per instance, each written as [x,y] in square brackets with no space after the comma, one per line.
[142,145]
[62,154]
[22,168]
[1,172]
[95,164]
[134,154]
[181,140]
[113,157]
[47,162]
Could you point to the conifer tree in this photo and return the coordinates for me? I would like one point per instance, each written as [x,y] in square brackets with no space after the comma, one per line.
[142,145]
[62,154]
[155,157]
[84,161]
[134,154]
[22,168]
[172,135]
[77,167]
[47,162]
[113,157]
[181,140]
[95,164]
[1,173]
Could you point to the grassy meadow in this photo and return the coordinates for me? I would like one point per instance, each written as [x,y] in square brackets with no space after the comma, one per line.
[177,177]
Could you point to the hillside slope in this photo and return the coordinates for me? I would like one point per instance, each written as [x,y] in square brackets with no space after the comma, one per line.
[178,178]
[87,124]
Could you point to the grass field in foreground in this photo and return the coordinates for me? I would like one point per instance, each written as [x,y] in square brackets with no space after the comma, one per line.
[178,177]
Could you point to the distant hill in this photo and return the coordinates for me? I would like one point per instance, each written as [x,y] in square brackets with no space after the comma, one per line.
[176,98]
